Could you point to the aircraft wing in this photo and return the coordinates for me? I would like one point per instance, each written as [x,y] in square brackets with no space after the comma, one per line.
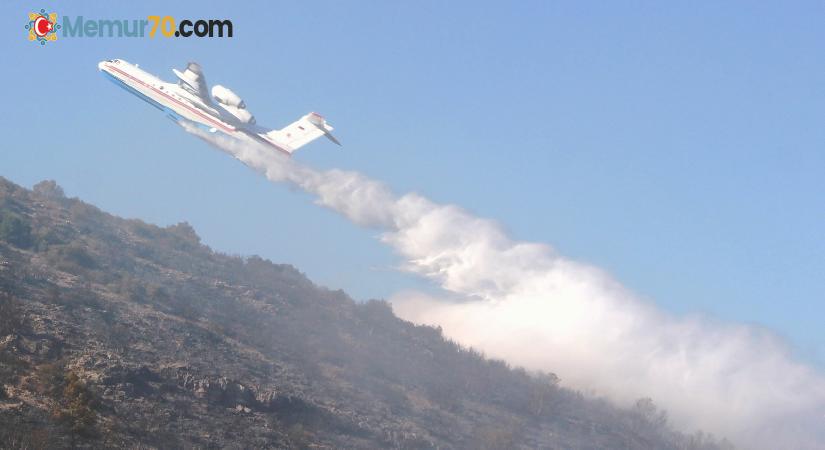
[192,80]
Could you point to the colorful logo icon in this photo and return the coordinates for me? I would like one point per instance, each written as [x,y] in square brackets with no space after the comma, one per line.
[42,27]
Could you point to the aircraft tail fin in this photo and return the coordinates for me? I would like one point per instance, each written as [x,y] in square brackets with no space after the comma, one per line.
[302,132]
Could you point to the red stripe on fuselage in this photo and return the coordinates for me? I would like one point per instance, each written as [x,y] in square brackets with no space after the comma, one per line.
[206,117]
[199,113]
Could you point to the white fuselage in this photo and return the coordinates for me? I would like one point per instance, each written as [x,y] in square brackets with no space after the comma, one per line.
[179,104]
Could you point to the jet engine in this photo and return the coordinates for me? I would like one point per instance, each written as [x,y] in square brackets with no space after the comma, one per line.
[242,115]
[226,97]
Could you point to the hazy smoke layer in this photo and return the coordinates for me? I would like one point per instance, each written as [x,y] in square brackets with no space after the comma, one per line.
[524,303]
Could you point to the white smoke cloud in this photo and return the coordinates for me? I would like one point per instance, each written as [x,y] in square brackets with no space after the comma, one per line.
[524,303]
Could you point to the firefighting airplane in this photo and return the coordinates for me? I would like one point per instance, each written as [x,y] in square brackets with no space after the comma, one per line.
[188,102]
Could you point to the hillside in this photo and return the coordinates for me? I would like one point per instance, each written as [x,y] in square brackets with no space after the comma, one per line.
[115,333]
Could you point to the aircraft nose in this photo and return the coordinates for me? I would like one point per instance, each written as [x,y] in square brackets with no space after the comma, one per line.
[101,65]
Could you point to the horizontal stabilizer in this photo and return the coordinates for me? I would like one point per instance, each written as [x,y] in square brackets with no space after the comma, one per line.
[302,132]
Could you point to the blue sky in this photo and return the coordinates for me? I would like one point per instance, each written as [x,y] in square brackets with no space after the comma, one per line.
[680,147]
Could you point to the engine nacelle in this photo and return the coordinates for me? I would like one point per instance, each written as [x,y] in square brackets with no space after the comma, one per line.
[226,97]
[242,115]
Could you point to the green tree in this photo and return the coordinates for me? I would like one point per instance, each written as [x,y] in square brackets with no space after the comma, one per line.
[15,230]
[11,317]
[648,413]
[49,189]
[79,405]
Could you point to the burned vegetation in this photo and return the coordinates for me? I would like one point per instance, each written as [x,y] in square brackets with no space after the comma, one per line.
[116,333]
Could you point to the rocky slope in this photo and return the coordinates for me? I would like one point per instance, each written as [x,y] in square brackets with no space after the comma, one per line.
[119,334]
